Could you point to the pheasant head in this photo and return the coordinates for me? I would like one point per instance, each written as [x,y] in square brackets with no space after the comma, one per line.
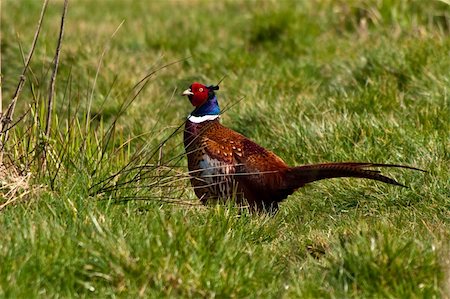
[203,98]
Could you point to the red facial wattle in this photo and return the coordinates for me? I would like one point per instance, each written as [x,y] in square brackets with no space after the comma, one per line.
[198,94]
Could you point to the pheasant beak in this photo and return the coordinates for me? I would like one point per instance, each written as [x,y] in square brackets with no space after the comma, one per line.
[187,92]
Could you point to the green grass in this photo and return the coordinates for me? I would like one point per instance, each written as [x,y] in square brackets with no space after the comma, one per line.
[321,80]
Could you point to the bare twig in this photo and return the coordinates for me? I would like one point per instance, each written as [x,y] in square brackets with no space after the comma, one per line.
[51,92]
[7,118]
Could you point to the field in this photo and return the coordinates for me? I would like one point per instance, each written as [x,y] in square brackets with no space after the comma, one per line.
[111,213]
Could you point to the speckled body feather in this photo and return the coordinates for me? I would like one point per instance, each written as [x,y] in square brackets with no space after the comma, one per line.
[221,159]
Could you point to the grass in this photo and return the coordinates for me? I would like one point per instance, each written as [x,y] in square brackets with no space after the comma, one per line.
[322,80]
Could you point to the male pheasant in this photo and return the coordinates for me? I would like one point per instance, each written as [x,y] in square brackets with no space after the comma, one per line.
[224,164]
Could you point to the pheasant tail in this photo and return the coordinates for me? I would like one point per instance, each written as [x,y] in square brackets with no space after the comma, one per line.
[297,177]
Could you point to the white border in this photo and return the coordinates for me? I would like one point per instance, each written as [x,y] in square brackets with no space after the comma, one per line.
[200,119]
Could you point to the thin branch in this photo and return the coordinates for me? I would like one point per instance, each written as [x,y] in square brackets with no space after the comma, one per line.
[10,111]
[51,92]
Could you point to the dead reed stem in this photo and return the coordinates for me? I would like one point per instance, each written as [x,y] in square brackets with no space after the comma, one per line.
[51,92]
[7,117]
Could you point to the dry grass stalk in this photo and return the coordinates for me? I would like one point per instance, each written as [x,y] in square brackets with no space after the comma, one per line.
[7,117]
[51,91]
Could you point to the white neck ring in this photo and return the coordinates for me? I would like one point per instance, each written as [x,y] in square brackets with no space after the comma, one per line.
[200,119]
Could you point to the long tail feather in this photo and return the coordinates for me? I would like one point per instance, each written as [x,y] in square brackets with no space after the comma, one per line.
[301,175]
[367,165]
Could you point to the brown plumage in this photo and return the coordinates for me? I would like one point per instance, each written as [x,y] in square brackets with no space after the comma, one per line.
[224,164]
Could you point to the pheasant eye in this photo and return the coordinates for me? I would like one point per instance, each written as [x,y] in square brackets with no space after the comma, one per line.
[200,89]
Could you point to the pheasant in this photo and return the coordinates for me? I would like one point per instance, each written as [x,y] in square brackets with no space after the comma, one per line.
[224,164]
